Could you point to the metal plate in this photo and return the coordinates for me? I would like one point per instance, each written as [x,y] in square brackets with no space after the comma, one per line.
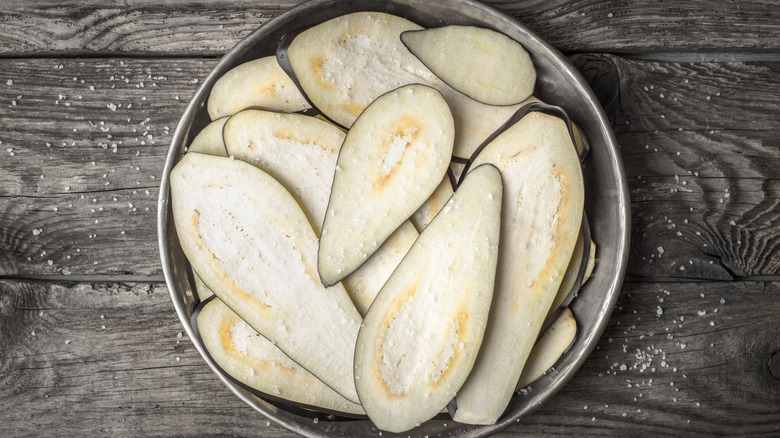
[558,83]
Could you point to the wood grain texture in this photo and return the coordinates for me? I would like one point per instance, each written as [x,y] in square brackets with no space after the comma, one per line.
[106,360]
[197,28]
[84,359]
[82,155]
[694,164]
[701,147]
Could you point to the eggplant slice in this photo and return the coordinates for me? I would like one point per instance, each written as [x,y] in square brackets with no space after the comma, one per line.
[345,63]
[549,348]
[256,363]
[209,139]
[254,247]
[301,153]
[425,214]
[481,63]
[541,217]
[392,159]
[259,83]
[421,335]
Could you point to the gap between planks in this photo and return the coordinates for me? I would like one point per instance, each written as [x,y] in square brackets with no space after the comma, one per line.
[682,57]
[161,279]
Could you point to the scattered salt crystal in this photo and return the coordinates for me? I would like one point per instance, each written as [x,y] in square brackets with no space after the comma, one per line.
[10,82]
[38,231]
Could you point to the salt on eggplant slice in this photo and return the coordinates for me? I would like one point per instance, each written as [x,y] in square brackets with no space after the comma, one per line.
[301,153]
[421,335]
[425,214]
[259,366]
[254,247]
[543,210]
[365,283]
[259,83]
[392,159]
[209,139]
[345,63]
[549,348]
[486,65]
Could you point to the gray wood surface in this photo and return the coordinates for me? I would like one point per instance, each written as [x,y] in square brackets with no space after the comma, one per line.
[111,359]
[209,28]
[91,92]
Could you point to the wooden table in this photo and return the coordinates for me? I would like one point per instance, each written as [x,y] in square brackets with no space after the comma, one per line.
[91,93]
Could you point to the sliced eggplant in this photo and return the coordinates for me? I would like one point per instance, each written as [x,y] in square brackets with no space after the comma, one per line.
[301,153]
[549,348]
[365,283]
[392,159]
[254,247]
[591,263]
[574,272]
[343,64]
[421,335]
[256,362]
[425,214]
[209,140]
[260,83]
[481,63]
[201,289]
[541,217]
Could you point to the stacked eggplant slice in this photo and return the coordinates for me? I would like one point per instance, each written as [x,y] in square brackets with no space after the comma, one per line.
[406,247]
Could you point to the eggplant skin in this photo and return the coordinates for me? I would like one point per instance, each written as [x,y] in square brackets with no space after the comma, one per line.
[421,335]
[256,362]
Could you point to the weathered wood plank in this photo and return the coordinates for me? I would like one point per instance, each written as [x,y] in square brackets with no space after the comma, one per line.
[701,147]
[83,147]
[81,359]
[694,164]
[183,27]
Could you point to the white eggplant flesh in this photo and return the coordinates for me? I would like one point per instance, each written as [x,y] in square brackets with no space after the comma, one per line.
[209,140]
[571,274]
[344,64]
[260,83]
[421,335]
[256,362]
[541,218]
[252,244]
[425,214]
[481,63]
[549,348]
[301,153]
[392,159]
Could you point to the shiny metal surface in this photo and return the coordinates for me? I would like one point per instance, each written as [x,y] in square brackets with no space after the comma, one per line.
[606,204]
